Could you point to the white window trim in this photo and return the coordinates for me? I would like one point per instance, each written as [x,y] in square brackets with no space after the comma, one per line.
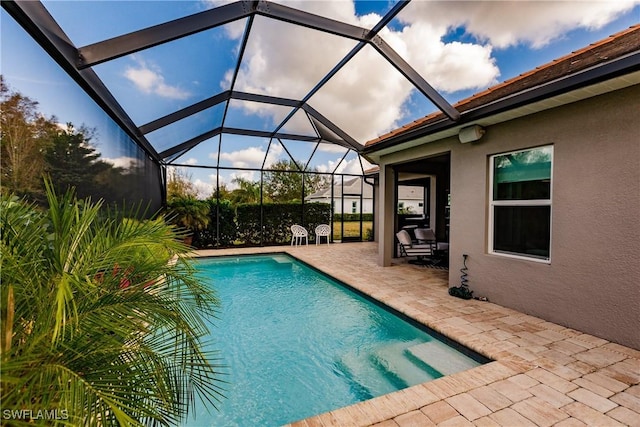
[534,202]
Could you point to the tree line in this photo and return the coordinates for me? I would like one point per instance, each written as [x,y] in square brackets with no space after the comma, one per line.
[280,184]
[33,145]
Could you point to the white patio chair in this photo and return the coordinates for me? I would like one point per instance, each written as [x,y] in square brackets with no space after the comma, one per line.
[299,233]
[323,230]
[409,249]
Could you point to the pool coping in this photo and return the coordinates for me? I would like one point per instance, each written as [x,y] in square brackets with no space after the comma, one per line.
[542,373]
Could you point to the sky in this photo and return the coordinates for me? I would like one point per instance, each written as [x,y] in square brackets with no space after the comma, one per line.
[458,47]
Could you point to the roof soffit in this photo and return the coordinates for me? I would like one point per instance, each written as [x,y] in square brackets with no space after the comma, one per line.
[601,67]
[422,136]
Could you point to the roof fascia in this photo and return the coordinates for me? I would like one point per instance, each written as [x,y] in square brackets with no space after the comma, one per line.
[38,22]
[598,73]
[125,44]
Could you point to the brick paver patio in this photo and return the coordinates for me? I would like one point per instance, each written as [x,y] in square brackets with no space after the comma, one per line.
[543,374]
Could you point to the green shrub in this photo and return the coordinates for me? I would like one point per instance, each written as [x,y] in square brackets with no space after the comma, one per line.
[368,235]
[95,321]
[353,217]
[188,212]
[211,235]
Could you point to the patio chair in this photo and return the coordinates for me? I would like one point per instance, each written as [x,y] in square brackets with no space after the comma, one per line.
[426,235]
[299,233]
[323,230]
[410,249]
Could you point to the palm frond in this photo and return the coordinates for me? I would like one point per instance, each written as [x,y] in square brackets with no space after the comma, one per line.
[99,322]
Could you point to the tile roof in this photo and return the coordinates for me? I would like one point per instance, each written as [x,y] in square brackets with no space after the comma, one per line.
[612,47]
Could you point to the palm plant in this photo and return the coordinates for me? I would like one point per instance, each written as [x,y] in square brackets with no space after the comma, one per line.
[189,213]
[97,324]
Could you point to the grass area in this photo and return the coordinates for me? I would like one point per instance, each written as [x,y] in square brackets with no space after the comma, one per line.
[351,228]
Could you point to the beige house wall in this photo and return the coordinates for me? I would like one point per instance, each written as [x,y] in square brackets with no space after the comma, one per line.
[592,282]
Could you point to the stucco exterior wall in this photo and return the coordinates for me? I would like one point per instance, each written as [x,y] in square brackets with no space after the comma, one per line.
[592,282]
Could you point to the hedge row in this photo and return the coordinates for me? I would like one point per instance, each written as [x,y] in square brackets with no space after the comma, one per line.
[227,233]
[244,223]
[353,217]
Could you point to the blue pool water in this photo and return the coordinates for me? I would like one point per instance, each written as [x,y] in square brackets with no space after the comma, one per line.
[297,343]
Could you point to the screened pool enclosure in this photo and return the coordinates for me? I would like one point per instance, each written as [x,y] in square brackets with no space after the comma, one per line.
[251,102]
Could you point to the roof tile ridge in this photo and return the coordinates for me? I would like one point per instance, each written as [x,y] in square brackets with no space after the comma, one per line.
[509,81]
[551,63]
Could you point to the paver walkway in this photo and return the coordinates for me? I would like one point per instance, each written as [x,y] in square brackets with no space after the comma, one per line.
[543,374]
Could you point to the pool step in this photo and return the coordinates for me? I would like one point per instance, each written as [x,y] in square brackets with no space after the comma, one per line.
[393,360]
[440,357]
[366,377]
[401,364]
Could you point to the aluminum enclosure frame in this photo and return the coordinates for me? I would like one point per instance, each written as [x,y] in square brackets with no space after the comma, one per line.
[78,63]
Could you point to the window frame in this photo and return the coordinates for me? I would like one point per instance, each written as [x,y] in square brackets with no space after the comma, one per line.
[523,203]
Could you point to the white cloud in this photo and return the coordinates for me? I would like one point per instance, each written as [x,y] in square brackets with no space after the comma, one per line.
[251,157]
[275,151]
[191,161]
[227,179]
[148,78]
[349,166]
[352,166]
[323,168]
[248,175]
[207,188]
[204,189]
[288,60]
[368,97]
[330,166]
[448,67]
[122,162]
[507,23]
[331,148]
[245,158]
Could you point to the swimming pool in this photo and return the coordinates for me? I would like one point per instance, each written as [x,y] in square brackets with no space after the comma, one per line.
[298,343]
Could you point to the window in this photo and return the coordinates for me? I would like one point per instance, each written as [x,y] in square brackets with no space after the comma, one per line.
[354,207]
[520,211]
